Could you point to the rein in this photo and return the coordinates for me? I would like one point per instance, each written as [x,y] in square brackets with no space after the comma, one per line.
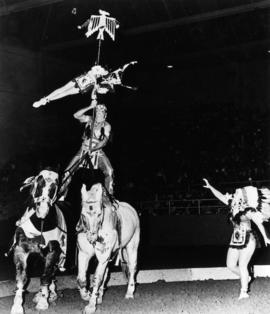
[41,233]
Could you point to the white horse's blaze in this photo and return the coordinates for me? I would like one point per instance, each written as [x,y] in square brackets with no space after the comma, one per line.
[99,224]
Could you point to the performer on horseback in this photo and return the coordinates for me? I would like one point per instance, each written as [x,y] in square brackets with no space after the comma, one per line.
[246,204]
[95,138]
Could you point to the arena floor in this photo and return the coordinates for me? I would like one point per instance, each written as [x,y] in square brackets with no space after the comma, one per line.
[198,297]
[211,296]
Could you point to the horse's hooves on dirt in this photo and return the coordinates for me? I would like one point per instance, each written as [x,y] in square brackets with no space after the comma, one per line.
[53,297]
[99,300]
[17,310]
[89,310]
[42,306]
[129,296]
[85,296]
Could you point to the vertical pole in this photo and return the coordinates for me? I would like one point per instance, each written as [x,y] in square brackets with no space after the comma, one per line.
[98,54]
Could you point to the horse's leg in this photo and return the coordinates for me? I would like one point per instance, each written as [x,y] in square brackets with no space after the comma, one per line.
[132,253]
[102,287]
[52,291]
[83,261]
[99,275]
[20,260]
[51,262]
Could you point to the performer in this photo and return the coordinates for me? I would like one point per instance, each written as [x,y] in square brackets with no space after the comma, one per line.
[97,78]
[246,204]
[98,139]
[80,84]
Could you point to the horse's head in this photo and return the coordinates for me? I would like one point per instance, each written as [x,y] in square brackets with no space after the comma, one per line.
[43,191]
[92,210]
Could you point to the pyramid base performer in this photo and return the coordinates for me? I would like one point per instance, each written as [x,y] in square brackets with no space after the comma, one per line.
[97,136]
[247,204]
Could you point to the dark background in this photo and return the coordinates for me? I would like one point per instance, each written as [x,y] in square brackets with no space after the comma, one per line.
[201,108]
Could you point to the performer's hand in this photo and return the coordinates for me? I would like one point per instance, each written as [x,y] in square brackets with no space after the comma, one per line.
[102,90]
[41,102]
[94,103]
[207,185]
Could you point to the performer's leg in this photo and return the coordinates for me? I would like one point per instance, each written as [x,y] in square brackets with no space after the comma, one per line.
[244,259]
[68,173]
[232,260]
[106,167]
[66,90]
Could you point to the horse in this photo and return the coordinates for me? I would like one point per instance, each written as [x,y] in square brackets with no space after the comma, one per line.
[41,230]
[106,229]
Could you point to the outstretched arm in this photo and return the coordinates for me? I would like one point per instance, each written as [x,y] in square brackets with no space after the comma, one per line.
[222,197]
[80,114]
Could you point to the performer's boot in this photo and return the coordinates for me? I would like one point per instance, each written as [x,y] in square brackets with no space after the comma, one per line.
[109,184]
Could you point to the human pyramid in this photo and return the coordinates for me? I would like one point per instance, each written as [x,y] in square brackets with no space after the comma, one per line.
[42,229]
[97,129]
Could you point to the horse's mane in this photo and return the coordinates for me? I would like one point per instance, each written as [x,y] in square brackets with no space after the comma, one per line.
[108,199]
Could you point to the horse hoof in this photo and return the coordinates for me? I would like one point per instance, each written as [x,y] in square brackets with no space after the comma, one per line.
[129,296]
[89,309]
[42,306]
[17,310]
[37,297]
[99,300]
[53,297]
[85,296]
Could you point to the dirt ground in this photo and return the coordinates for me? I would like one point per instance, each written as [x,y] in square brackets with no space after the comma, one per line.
[203,297]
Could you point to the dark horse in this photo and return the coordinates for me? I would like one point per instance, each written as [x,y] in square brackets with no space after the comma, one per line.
[41,230]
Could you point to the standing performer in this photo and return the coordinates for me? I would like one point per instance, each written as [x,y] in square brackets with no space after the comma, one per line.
[246,204]
[95,138]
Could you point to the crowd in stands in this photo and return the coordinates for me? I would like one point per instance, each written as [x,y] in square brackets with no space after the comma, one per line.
[225,145]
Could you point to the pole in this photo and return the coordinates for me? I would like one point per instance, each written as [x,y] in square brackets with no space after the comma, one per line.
[99,50]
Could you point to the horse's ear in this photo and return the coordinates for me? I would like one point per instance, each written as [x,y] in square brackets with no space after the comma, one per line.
[27,182]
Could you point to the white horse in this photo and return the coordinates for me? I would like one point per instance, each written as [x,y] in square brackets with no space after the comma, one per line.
[105,228]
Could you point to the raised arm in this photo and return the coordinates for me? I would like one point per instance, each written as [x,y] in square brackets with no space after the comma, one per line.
[222,197]
[80,114]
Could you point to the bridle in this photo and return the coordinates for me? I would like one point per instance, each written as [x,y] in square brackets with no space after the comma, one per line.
[85,216]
